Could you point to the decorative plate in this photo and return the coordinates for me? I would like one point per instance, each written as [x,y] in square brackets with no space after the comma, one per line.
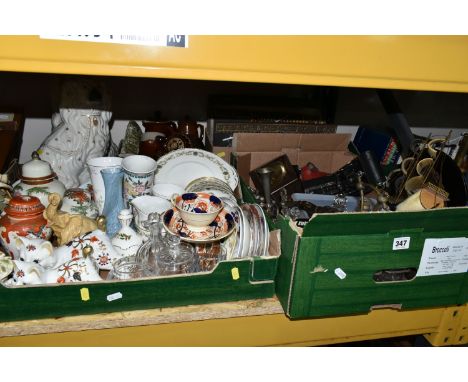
[221,227]
[264,233]
[182,166]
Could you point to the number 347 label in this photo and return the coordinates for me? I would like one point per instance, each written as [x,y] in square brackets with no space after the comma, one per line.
[401,243]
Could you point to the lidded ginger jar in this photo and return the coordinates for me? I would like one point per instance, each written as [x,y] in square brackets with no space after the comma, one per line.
[37,179]
[23,216]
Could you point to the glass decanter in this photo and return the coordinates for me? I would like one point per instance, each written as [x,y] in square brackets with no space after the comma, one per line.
[148,252]
[166,255]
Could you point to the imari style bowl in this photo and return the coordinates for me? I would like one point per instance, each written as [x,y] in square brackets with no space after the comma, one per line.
[218,229]
[197,209]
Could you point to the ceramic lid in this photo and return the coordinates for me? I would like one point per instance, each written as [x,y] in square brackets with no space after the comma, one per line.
[23,206]
[36,168]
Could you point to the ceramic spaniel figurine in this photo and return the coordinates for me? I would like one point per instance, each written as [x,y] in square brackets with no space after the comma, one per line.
[80,131]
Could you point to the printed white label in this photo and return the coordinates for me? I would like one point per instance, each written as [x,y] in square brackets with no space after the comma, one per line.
[401,243]
[114,296]
[340,273]
[171,40]
[444,256]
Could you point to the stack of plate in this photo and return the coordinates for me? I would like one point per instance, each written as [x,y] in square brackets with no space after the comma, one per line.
[252,235]
[213,186]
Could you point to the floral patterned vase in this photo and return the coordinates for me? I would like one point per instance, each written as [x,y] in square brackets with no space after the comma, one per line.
[114,202]
[126,241]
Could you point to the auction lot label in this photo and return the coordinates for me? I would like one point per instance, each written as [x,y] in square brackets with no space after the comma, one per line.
[444,256]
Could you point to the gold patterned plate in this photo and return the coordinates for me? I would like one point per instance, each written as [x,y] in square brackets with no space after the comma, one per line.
[181,167]
[221,227]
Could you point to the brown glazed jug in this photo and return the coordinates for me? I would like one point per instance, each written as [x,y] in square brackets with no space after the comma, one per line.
[192,129]
[166,128]
[153,141]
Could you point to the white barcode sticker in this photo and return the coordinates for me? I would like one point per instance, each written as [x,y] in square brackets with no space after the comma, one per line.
[401,243]
[340,273]
[114,296]
[171,40]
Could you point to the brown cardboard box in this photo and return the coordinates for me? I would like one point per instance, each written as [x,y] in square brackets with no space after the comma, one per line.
[328,152]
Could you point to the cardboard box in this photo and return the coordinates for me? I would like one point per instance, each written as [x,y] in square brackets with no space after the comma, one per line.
[335,265]
[327,151]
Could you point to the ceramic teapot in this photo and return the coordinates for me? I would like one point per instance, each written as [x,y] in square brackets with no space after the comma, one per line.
[37,179]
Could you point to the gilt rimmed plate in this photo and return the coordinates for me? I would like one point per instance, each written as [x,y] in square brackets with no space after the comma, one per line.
[220,228]
[183,166]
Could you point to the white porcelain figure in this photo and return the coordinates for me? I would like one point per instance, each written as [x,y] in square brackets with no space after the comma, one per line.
[95,166]
[126,241]
[38,179]
[82,134]
[41,252]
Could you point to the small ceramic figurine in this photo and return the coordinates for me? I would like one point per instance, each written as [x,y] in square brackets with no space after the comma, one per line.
[103,253]
[38,179]
[126,241]
[66,226]
[96,245]
[77,269]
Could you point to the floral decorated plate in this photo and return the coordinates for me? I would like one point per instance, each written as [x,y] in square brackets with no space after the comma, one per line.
[181,167]
[221,227]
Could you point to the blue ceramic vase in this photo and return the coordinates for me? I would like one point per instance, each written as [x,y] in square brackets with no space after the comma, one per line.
[114,202]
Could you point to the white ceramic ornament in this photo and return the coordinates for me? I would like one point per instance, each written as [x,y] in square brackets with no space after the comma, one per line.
[126,241]
[41,252]
[38,179]
[75,270]
[82,134]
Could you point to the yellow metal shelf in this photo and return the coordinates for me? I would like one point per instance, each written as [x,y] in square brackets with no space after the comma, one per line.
[249,323]
[438,63]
